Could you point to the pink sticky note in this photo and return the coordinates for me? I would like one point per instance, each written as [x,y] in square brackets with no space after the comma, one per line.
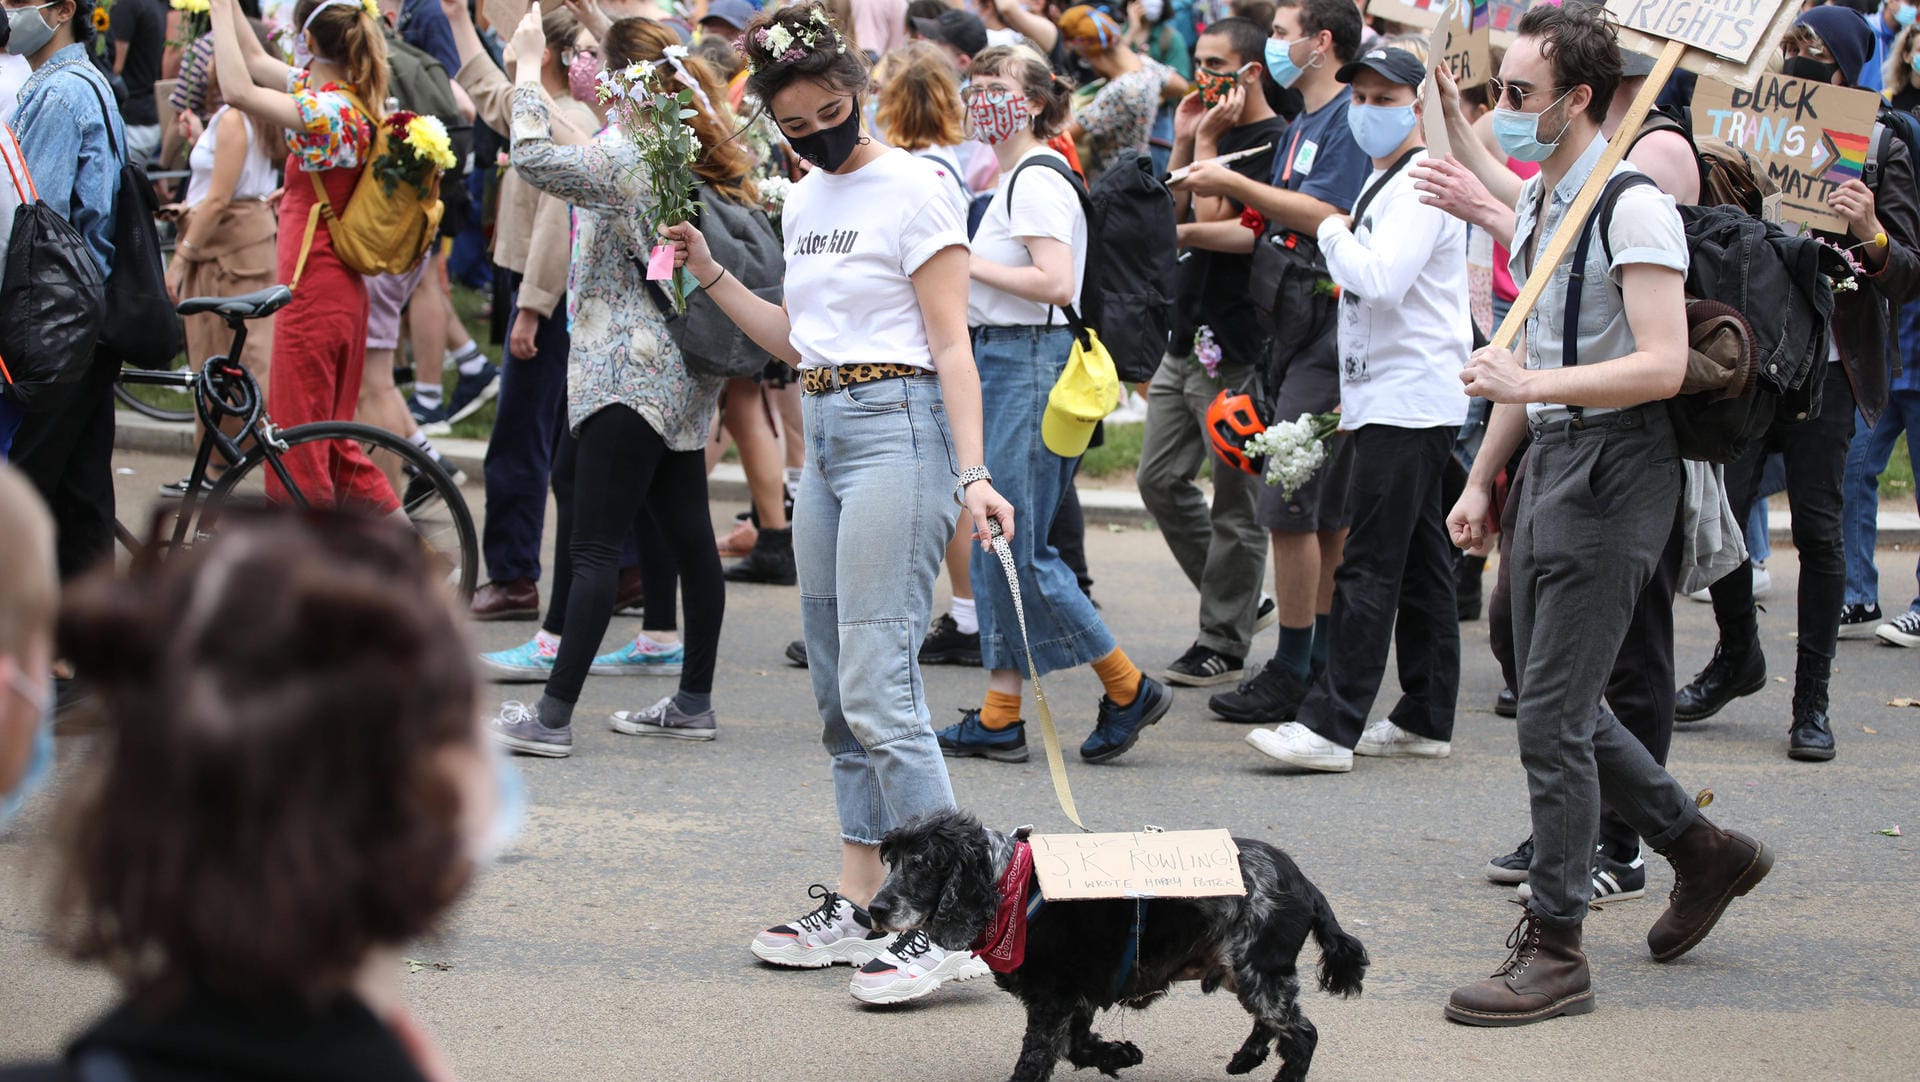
[660,263]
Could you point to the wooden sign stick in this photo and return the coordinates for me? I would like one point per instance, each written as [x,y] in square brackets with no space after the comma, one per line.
[1583,203]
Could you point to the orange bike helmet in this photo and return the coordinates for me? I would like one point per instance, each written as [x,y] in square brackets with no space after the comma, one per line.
[1232,419]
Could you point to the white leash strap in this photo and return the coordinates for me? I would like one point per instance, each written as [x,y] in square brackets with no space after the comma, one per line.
[1055,762]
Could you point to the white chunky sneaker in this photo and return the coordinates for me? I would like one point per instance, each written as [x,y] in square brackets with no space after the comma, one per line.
[835,933]
[1296,745]
[911,967]
[1383,739]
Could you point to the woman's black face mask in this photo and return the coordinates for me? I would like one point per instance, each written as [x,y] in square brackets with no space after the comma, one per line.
[829,148]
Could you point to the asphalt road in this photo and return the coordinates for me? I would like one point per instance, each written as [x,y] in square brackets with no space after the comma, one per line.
[610,943]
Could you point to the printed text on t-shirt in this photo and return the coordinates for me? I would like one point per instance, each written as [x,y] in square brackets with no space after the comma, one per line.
[838,242]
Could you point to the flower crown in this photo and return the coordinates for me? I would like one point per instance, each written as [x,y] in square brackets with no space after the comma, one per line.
[786,45]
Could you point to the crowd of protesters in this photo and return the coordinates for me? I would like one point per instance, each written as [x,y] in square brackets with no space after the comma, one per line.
[922,347]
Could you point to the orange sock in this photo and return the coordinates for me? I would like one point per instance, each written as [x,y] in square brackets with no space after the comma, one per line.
[1000,711]
[1120,676]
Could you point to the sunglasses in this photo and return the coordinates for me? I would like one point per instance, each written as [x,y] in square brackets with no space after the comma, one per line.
[1515,97]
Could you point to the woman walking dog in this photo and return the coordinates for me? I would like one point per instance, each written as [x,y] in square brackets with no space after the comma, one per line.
[875,319]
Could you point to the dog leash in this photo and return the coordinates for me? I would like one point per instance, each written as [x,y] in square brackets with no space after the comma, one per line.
[1056,763]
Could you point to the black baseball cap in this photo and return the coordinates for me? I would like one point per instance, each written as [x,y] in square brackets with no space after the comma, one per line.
[961,29]
[1398,65]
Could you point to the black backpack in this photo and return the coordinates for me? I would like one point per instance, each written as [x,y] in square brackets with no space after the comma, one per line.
[1758,304]
[140,327]
[1127,294]
[743,240]
[50,304]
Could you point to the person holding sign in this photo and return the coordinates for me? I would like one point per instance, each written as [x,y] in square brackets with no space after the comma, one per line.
[1602,486]
[1318,170]
[1404,333]
[1828,45]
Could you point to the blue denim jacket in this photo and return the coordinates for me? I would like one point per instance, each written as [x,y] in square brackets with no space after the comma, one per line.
[63,135]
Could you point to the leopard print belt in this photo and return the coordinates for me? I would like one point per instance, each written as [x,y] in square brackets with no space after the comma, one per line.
[823,380]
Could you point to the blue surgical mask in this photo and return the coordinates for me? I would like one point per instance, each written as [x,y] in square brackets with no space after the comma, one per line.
[1280,62]
[1905,15]
[27,30]
[1519,133]
[509,809]
[40,756]
[1380,129]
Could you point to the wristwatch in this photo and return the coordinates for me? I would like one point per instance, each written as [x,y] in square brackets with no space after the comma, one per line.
[969,476]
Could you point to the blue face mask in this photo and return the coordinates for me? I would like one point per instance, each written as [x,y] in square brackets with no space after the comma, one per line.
[1280,62]
[509,809]
[1380,129]
[40,756]
[1519,133]
[1905,15]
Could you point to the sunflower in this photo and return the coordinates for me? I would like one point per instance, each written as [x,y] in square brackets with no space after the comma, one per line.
[102,22]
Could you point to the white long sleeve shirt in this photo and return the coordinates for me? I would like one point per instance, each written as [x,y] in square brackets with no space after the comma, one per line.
[1405,330]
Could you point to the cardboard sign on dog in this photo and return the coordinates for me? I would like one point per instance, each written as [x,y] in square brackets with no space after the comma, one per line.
[1148,864]
[1812,137]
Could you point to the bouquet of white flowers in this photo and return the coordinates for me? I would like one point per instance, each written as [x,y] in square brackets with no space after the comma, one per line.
[653,113]
[1294,450]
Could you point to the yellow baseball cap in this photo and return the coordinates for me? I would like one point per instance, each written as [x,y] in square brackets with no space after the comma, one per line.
[1087,390]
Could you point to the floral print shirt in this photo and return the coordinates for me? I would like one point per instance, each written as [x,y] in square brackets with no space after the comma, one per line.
[1121,114]
[335,133]
[621,353]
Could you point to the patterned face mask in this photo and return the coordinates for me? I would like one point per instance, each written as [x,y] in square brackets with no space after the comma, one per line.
[995,114]
[583,77]
[1215,85]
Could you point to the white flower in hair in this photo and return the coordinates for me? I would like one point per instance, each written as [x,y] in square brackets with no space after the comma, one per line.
[675,52]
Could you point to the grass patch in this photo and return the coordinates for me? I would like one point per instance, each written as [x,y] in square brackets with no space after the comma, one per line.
[1119,455]
[1898,480]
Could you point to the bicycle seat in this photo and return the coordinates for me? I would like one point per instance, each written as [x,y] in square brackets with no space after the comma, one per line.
[255,305]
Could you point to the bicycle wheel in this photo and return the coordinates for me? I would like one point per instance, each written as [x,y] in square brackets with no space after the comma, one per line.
[430,499]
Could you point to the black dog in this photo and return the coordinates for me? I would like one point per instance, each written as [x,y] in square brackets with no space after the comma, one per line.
[944,877]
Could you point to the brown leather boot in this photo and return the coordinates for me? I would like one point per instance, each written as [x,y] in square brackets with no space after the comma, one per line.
[1711,867]
[1545,976]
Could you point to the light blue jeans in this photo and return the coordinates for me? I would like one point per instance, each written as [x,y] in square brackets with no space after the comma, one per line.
[1866,460]
[1018,368]
[870,524]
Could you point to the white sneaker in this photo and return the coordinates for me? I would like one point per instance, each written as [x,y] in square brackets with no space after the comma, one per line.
[912,967]
[834,933]
[1762,586]
[1902,630]
[1297,745]
[1383,739]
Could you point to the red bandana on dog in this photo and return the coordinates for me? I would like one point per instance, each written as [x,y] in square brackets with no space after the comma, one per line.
[1003,946]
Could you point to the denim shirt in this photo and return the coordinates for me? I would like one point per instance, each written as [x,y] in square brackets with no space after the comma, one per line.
[1645,229]
[63,136]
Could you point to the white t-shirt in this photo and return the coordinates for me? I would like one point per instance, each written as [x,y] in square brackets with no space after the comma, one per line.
[1047,206]
[1404,329]
[853,243]
[14,71]
[258,178]
[953,181]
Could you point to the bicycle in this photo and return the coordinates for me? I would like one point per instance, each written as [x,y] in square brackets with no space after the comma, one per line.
[224,390]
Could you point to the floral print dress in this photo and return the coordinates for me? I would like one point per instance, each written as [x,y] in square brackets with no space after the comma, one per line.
[621,352]
[1121,114]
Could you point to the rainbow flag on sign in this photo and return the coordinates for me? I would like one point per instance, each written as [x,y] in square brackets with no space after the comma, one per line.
[1480,15]
[1849,156]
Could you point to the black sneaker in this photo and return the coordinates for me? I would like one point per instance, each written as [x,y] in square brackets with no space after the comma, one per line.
[1202,667]
[1613,880]
[1267,615]
[177,490]
[797,652]
[1512,867]
[1268,697]
[1859,621]
[946,644]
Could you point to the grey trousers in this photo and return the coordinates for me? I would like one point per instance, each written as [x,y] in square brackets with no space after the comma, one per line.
[1223,551]
[1595,514]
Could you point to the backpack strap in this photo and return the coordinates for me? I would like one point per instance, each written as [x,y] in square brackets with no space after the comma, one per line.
[322,203]
[1577,271]
[1366,198]
[1056,165]
[1876,155]
[107,120]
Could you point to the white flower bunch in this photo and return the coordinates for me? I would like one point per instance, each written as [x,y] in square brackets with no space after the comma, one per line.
[1294,450]
[773,193]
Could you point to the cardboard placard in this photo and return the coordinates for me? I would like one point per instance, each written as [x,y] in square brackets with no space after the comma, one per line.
[1147,864]
[1733,29]
[504,15]
[1812,137]
[1433,117]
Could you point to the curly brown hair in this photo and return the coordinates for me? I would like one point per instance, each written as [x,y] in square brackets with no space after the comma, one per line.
[271,798]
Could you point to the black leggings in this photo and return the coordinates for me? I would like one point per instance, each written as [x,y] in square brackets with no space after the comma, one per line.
[621,463]
[645,548]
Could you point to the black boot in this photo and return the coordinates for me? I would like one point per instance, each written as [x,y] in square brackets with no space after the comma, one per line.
[1738,668]
[1811,738]
[771,560]
[1466,586]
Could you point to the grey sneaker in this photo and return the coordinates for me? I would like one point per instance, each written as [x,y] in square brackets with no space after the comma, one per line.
[665,718]
[517,727]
